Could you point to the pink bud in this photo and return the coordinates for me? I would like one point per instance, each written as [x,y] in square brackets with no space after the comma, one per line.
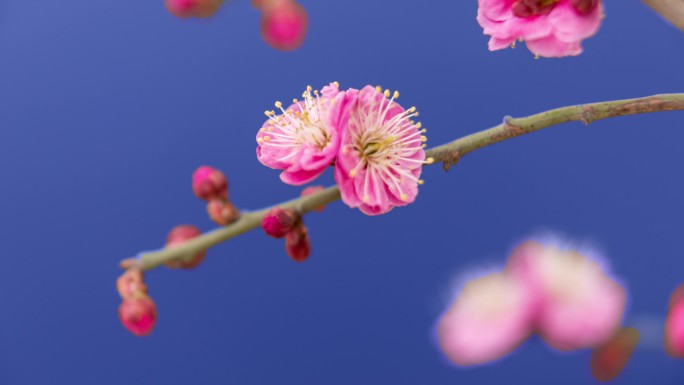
[312,190]
[209,183]
[131,284]
[138,315]
[179,235]
[222,212]
[674,324]
[284,24]
[610,359]
[297,243]
[181,8]
[278,222]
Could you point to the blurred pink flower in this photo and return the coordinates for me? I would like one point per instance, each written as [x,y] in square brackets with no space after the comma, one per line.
[674,325]
[550,28]
[284,23]
[381,153]
[577,304]
[304,139]
[178,236]
[488,319]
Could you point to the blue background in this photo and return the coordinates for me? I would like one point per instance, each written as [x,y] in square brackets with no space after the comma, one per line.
[106,108]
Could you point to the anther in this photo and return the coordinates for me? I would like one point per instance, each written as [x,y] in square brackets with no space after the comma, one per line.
[430,160]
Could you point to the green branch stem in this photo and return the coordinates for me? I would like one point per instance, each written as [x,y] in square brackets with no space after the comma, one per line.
[448,154]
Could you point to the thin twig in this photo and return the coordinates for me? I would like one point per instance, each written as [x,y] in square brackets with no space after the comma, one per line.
[672,10]
[449,154]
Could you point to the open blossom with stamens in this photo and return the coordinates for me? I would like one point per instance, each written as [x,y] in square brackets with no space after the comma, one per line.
[381,153]
[550,28]
[304,139]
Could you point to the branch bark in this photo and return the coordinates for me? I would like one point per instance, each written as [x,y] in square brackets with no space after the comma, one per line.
[449,154]
[672,10]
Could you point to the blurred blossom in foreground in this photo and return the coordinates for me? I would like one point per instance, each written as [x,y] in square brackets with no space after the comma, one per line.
[490,317]
[609,359]
[550,287]
[674,325]
[578,305]
[284,23]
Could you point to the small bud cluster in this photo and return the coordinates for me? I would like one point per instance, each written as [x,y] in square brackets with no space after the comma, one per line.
[137,311]
[287,223]
[211,185]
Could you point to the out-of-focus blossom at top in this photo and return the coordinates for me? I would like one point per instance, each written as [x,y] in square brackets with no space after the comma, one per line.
[488,319]
[193,8]
[674,325]
[578,305]
[550,28]
[609,359]
[284,23]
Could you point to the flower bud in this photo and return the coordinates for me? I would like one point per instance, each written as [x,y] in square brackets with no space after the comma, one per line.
[278,222]
[585,7]
[209,183]
[222,212]
[130,284]
[179,235]
[283,24]
[138,315]
[312,190]
[609,360]
[208,8]
[181,8]
[674,324]
[297,243]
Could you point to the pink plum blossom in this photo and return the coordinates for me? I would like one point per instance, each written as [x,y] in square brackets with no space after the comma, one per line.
[577,304]
[674,325]
[488,319]
[550,28]
[209,183]
[381,153]
[304,139]
[284,23]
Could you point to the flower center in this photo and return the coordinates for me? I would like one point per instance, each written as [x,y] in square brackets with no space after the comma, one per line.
[528,8]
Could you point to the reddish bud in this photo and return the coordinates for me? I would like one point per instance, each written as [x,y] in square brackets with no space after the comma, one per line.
[312,190]
[209,183]
[138,315]
[181,8]
[674,324]
[278,222]
[208,8]
[297,243]
[179,235]
[283,24]
[130,284]
[222,212]
[610,359]
[189,8]
[585,7]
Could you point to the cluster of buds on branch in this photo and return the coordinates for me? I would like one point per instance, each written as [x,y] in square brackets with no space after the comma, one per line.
[283,24]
